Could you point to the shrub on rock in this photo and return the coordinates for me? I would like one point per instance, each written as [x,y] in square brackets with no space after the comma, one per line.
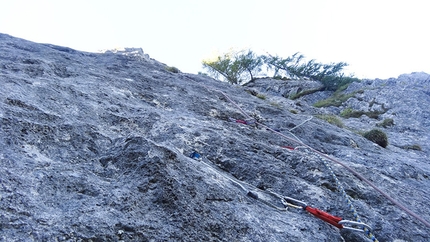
[377,136]
[332,119]
[386,123]
[173,69]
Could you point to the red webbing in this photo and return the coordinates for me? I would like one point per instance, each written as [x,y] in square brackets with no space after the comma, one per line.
[333,220]
[241,121]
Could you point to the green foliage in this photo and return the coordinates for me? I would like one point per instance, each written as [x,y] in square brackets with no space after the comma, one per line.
[261,96]
[224,66]
[256,94]
[377,136]
[278,77]
[294,111]
[346,113]
[337,82]
[412,147]
[386,123]
[173,69]
[287,66]
[351,113]
[332,119]
[337,99]
[344,87]
[330,75]
[250,62]
[252,92]
[236,67]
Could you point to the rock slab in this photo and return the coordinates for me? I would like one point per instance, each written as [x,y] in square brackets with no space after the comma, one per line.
[96,146]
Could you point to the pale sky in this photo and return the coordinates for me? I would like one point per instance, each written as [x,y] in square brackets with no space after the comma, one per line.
[377,38]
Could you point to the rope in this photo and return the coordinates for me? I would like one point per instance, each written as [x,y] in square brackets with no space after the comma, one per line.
[309,119]
[347,200]
[353,172]
[286,201]
[243,185]
[358,175]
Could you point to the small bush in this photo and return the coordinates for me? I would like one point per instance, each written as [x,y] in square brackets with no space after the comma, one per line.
[332,119]
[377,136]
[386,123]
[252,92]
[373,114]
[283,78]
[337,83]
[173,69]
[351,113]
[294,111]
[255,93]
[261,96]
[412,147]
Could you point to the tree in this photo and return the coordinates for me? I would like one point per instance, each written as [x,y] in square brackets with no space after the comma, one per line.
[236,67]
[287,65]
[250,62]
[225,66]
[330,75]
[239,67]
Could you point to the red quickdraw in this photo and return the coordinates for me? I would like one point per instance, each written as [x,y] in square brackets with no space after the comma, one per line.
[288,147]
[242,121]
[331,219]
[336,221]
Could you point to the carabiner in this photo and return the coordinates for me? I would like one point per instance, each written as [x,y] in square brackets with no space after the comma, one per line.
[294,202]
[348,223]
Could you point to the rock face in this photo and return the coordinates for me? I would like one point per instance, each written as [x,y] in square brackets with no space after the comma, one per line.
[96,147]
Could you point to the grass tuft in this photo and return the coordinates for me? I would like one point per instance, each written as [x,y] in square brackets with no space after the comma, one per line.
[332,119]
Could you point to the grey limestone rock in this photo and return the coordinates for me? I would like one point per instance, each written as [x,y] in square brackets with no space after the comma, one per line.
[96,147]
